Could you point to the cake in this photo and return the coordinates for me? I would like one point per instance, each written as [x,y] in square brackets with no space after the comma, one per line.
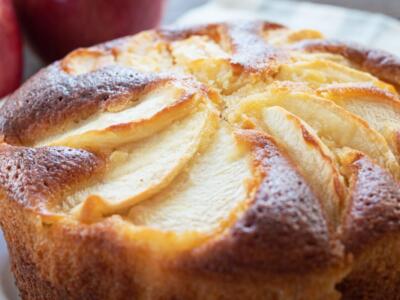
[222,161]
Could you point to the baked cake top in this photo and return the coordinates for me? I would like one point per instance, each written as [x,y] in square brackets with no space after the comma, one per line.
[245,136]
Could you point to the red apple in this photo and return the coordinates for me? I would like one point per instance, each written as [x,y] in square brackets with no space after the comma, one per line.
[10,49]
[55,27]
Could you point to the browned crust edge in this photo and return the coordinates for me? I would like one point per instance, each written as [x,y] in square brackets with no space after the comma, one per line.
[38,178]
[373,210]
[250,51]
[55,97]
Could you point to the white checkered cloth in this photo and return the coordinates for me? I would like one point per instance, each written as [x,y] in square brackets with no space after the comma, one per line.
[370,29]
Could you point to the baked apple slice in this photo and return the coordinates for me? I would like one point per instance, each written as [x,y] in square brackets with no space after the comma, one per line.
[208,191]
[141,169]
[376,106]
[322,72]
[129,119]
[314,159]
[335,126]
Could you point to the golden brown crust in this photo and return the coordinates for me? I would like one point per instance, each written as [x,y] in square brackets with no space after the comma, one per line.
[283,230]
[55,97]
[250,51]
[380,63]
[374,206]
[36,177]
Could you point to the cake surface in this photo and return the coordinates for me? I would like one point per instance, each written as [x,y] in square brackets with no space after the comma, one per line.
[224,161]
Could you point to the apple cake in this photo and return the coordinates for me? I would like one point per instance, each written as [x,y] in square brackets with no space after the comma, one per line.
[221,161]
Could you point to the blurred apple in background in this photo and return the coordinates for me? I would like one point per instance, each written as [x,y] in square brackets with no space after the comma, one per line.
[55,27]
[10,49]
